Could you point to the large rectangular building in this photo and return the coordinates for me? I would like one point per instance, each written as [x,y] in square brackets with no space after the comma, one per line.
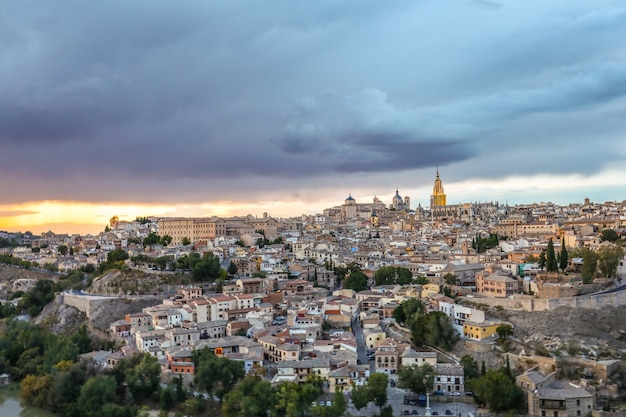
[193,228]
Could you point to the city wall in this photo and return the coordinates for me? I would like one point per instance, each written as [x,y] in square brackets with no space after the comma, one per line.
[84,303]
[529,303]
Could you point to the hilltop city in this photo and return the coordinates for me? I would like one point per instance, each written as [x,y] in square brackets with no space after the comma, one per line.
[438,302]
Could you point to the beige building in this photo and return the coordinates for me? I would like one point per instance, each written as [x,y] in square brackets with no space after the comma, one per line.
[496,283]
[193,228]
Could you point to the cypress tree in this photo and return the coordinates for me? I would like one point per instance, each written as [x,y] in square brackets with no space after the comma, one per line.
[563,258]
[551,265]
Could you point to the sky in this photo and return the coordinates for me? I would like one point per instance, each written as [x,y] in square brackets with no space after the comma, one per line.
[201,108]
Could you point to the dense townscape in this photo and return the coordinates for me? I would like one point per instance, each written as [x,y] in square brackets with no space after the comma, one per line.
[367,308]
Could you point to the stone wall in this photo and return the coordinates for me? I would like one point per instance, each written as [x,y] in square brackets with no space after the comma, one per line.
[529,303]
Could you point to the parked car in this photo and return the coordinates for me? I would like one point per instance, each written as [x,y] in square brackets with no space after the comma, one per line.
[329,403]
[413,402]
[455,394]
[406,401]
[392,383]
[448,412]
[414,412]
[406,412]
[438,392]
[434,413]
[469,393]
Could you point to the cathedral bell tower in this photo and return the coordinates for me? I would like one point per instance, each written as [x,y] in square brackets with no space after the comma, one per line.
[438,197]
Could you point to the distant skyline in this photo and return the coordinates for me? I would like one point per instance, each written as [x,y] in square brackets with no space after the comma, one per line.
[228,108]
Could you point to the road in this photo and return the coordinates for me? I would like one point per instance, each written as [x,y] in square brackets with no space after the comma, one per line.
[360,340]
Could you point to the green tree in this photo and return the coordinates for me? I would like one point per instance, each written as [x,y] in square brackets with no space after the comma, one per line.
[434,329]
[185,241]
[409,312]
[62,249]
[470,367]
[450,279]
[356,281]
[151,240]
[377,387]
[551,264]
[590,265]
[360,396]
[207,269]
[609,235]
[95,394]
[609,259]
[498,391]
[216,375]
[143,378]
[252,397]
[419,379]
[35,390]
[232,268]
[563,256]
[542,259]
[165,240]
[504,331]
[117,255]
[391,275]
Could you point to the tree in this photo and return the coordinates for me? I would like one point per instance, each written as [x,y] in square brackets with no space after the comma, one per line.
[232,268]
[117,255]
[251,397]
[151,239]
[185,241]
[419,379]
[409,311]
[144,377]
[609,258]
[542,259]
[470,367]
[434,329]
[62,249]
[35,390]
[551,265]
[216,375]
[207,269]
[609,235]
[497,390]
[450,279]
[563,256]
[165,240]
[360,396]
[390,275]
[356,281]
[504,331]
[590,265]
[377,387]
[95,394]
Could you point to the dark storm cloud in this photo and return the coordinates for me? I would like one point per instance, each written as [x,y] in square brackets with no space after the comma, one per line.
[103,99]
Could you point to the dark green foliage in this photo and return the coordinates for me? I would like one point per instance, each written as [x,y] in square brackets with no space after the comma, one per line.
[551,264]
[117,255]
[151,240]
[35,299]
[356,281]
[434,329]
[542,259]
[377,386]
[482,244]
[419,379]
[498,391]
[590,265]
[207,269]
[390,275]
[470,367]
[504,331]
[409,312]
[563,256]
[232,268]
[609,235]
[252,397]
[360,396]
[609,259]
[185,241]
[216,375]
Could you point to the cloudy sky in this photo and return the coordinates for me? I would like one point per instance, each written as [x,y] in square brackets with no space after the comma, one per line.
[233,107]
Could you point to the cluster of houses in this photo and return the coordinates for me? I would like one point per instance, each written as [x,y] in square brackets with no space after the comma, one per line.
[284,309]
